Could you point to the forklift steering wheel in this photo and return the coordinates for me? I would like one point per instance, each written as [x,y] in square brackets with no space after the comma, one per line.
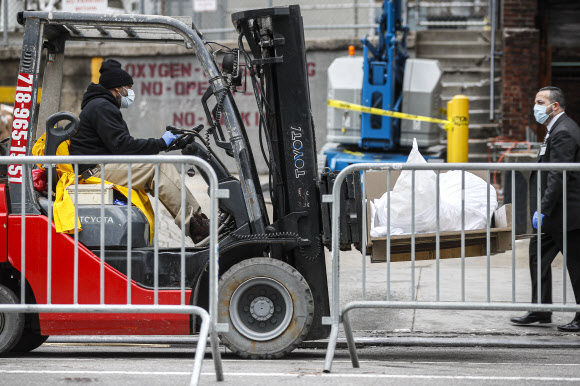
[186,136]
[180,142]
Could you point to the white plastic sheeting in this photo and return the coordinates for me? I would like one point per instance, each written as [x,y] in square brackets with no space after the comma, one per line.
[426,202]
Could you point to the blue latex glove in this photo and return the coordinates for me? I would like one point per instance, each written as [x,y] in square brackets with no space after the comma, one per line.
[535,220]
[169,137]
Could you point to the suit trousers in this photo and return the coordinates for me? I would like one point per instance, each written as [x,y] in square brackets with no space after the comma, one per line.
[143,178]
[552,244]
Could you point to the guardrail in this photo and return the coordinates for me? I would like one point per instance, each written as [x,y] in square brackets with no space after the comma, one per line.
[209,326]
[340,313]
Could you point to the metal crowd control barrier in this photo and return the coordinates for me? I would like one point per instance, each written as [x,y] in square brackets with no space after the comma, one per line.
[209,326]
[340,314]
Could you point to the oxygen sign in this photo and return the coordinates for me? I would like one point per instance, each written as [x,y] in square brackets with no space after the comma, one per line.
[19,136]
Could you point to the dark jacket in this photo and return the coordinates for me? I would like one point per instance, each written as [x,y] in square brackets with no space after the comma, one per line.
[562,145]
[104,132]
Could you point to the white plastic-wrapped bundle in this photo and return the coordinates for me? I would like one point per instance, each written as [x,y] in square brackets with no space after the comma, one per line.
[425,202]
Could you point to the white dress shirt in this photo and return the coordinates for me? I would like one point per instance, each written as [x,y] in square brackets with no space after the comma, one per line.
[549,127]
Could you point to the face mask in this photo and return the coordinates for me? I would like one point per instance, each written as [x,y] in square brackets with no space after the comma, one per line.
[127,101]
[540,113]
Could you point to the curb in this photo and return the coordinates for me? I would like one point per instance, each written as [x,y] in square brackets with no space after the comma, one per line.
[572,341]
[499,342]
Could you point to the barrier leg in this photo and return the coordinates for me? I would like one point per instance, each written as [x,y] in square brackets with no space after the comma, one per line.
[350,340]
[200,349]
[331,346]
[217,356]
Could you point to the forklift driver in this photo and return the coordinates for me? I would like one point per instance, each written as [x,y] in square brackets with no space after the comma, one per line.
[104,132]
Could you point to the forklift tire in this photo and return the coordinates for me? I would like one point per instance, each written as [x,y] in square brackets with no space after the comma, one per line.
[28,342]
[269,308]
[11,323]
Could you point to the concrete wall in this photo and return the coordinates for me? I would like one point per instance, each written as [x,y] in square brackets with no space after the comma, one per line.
[169,83]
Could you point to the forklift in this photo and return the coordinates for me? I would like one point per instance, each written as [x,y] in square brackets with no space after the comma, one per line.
[273,288]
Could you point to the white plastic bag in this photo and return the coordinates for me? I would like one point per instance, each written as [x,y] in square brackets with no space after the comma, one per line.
[425,211]
[425,202]
[475,199]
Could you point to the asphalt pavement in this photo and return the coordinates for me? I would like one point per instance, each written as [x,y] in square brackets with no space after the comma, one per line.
[158,364]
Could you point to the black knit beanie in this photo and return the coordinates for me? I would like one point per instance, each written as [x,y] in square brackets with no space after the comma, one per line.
[112,75]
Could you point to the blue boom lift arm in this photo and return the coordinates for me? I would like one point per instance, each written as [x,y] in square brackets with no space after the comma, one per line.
[384,67]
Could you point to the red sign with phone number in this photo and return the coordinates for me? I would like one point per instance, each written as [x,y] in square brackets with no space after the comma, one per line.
[21,118]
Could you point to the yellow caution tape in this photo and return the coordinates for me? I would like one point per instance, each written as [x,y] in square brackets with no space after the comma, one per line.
[447,125]
[357,153]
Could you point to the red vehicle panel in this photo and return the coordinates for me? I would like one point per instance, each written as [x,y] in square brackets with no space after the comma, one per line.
[3,225]
[88,286]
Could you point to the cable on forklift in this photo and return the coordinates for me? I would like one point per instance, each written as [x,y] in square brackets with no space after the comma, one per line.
[218,116]
[218,44]
[205,142]
[210,150]
[261,101]
[269,159]
[271,162]
[208,133]
[262,125]
[220,106]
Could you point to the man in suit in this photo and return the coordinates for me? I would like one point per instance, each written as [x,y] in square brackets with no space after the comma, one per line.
[561,144]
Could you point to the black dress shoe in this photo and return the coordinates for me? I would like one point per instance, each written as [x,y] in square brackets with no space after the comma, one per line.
[532,317]
[573,326]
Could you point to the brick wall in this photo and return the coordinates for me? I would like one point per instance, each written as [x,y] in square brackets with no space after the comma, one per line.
[520,66]
[520,76]
[519,13]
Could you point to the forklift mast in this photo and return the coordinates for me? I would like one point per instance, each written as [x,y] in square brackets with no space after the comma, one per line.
[275,37]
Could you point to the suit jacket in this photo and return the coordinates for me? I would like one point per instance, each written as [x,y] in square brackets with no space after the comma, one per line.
[562,145]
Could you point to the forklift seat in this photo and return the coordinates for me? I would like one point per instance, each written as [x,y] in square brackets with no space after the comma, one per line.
[116,217]
[57,135]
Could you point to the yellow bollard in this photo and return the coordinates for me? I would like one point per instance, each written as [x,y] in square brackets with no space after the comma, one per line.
[450,137]
[458,135]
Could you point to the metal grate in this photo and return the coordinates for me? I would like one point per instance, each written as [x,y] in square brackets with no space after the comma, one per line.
[120,32]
